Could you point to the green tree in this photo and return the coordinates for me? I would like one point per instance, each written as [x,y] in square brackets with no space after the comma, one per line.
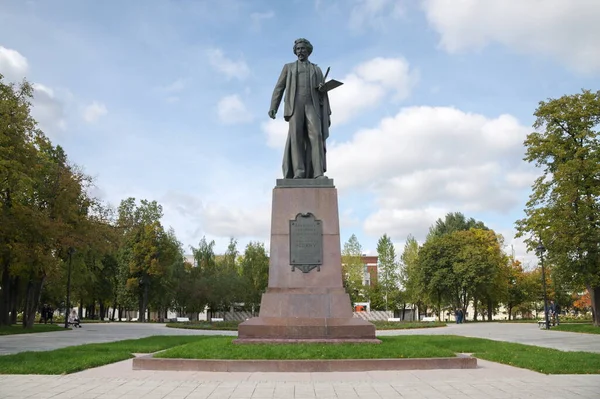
[353,269]
[563,211]
[389,273]
[454,221]
[410,277]
[255,273]
[19,136]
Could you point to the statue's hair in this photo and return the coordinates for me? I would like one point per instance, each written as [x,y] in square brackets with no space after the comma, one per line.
[305,41]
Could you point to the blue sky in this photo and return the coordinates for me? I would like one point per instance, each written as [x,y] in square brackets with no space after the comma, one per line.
[167,100]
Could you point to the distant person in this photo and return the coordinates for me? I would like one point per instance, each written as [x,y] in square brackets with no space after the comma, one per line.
[556,320]
[551,312]
[50,314]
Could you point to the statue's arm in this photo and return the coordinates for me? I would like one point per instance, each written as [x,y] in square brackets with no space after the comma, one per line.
[278,91]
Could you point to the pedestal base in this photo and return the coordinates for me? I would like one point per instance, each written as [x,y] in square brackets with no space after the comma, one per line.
[294,330]
[305,305]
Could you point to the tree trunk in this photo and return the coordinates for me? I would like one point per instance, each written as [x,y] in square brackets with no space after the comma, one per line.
[102,310]
[114,309]
[32,301]
[509,312]
[143,301]
[490,309]
[595,299]
[14,299]
[475,308]
[403,310]
[5,303]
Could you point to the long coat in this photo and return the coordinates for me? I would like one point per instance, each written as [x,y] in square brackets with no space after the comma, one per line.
[287,83]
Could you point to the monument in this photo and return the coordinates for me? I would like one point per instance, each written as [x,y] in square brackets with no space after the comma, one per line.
[305,300]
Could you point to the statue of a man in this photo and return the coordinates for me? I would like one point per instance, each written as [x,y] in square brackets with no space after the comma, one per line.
[306,109]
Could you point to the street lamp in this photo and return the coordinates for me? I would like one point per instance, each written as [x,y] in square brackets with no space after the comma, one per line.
[68,308]
[540,251]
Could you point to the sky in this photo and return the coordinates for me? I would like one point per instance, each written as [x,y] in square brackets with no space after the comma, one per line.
[167,100]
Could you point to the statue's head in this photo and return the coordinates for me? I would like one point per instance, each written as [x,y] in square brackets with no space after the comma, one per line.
[302,48]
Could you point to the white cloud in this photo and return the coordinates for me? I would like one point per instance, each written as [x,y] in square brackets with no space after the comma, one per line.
[230,68]
[368,85]
[399,223]
[374,13]
[240,222]
[48,110]
[94,111]
[427,160]
[276,131]
[231,110]
[566,30]
[13,65]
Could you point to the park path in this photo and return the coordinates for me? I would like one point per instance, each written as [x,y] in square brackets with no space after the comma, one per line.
[522,333]
[488,381]
[92,333]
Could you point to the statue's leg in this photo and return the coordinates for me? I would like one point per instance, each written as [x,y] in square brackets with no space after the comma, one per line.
[296,137]
[288,170]
[313,123]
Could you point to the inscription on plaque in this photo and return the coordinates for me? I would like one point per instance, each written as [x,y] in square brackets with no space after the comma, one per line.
[306,242]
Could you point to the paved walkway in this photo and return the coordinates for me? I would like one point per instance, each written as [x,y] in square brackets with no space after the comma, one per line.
[488,381]
[523,333]
[92,333]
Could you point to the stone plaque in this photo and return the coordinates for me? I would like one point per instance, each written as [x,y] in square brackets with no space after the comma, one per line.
[306,242]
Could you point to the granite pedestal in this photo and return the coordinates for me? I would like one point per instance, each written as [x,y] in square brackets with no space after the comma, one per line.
[304,305]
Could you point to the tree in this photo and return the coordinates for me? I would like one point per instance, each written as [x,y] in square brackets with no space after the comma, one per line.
[18,156]
[563,211]
[454,221]
[388,276]
[353,268]
[255,273]
[410,278]
[145,254]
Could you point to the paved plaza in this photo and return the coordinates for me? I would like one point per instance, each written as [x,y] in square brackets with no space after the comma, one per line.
[490,380]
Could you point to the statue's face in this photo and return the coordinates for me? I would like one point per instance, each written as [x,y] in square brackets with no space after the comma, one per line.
[302,51]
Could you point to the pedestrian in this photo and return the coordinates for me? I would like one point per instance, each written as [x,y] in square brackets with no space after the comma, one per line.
[50,314]
[552,312]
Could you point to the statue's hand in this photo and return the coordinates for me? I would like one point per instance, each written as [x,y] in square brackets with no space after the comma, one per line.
[320,87]
[272,114]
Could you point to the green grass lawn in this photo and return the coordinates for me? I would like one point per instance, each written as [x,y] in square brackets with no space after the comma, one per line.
[579,328]
[37,328]
[233,325]
[549,361]
[77,358]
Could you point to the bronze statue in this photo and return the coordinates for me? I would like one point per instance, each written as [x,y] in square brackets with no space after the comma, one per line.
[306,109]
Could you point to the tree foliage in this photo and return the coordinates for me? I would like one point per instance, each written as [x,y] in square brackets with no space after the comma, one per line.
[388,278]
[353,269]
[563,211]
